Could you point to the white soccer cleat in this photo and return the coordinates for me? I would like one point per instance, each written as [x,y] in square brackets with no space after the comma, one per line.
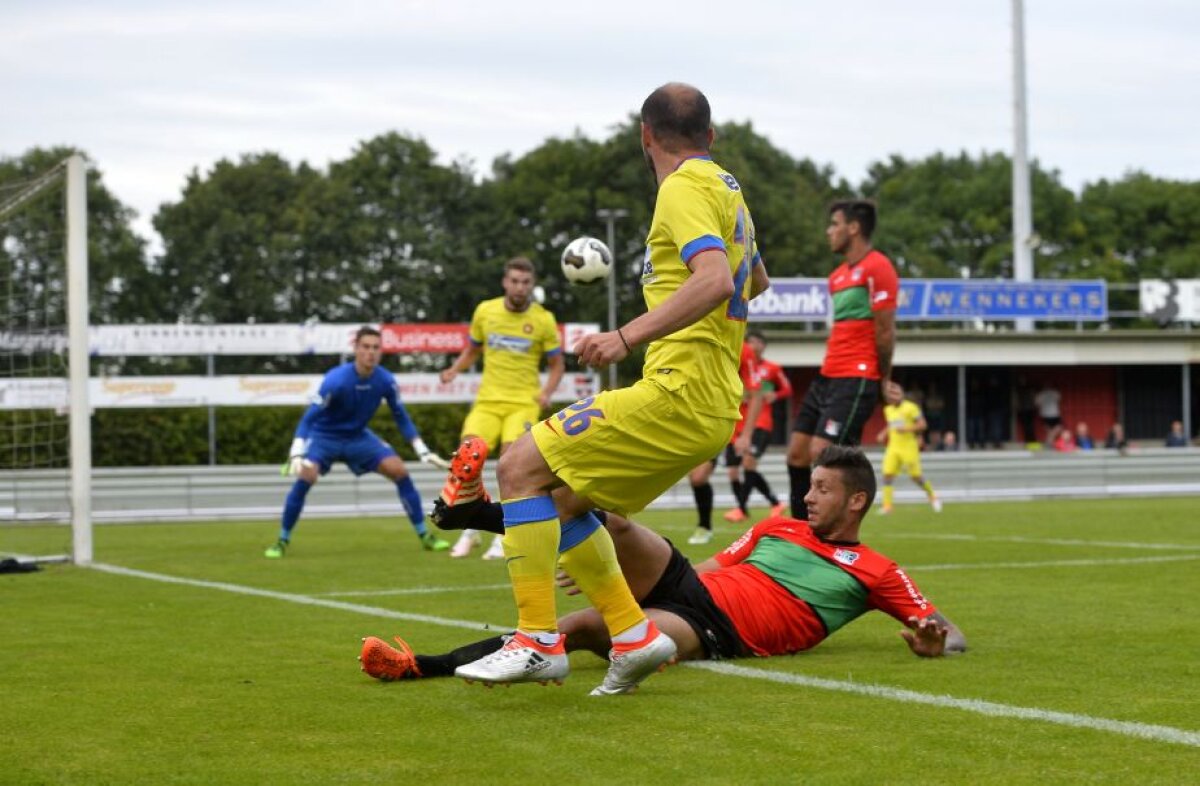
[629,664]
[496,550]
[466,541]
[937,505]
[521,659]
[700,537]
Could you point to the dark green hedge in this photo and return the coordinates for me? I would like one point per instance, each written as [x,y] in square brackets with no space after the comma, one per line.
[163,437]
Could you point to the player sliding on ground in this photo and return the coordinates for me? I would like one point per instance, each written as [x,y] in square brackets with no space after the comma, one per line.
[783,587]
[622,448]
[334,428]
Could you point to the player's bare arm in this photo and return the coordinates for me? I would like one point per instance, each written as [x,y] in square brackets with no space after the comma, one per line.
[709,285]
[759,280]
[465,360]
[933,636]
[555,366]
[885,342]
[754,406]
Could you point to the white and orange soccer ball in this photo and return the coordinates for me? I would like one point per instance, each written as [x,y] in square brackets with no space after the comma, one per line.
[586,261]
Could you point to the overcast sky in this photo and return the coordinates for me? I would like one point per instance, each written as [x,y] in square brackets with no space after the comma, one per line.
[153,89]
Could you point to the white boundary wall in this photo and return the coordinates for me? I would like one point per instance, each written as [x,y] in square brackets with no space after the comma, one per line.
[257,492]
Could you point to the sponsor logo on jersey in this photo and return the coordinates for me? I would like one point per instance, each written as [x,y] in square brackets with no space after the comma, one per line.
[917,597]
[845,556]
[503,343]
[737,544]
[881,295]
[648,276]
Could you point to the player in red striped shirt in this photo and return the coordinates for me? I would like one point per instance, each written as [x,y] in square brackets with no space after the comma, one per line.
[858,355]
[783,587]
[773,385]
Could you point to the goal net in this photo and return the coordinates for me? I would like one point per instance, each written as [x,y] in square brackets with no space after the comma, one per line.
[45,428]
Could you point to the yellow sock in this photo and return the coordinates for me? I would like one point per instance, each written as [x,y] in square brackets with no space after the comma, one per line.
[888,493]
[929,490]
[531,551]
[594,567]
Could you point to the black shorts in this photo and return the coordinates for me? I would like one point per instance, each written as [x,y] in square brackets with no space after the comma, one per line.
[837,408]
[681,592]
[758,446]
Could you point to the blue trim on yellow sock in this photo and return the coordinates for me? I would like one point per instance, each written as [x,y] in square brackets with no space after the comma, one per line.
[577,530]
[528,510]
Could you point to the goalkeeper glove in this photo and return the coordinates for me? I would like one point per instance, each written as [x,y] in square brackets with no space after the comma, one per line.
[296,460]
[426,456]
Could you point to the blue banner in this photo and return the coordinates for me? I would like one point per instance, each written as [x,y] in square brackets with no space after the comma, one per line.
[946,299]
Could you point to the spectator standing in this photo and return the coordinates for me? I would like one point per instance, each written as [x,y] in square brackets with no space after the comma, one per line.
[1048,401]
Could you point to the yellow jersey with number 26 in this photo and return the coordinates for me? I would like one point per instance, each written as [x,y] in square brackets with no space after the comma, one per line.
[700,207]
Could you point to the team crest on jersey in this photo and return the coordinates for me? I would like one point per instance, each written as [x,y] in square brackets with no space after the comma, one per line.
[527,328]
[856,276]
[845,556]
[729,181]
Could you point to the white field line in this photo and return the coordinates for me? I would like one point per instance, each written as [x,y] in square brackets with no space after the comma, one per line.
[1058,563]
[1145,731]
[1062,563]
[1127,728]
[306,600]
[412,591]
[1044,541]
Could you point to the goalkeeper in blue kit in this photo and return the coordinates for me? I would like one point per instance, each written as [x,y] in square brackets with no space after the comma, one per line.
[334,428]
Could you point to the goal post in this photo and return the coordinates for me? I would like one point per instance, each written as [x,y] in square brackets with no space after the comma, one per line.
[77,361]
[45,415]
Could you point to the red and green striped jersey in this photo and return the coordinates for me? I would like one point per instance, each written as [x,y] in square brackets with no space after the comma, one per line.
[857,292]
[785,590]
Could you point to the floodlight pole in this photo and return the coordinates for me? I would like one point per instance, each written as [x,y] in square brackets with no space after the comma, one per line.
[1022,199]
[610,216]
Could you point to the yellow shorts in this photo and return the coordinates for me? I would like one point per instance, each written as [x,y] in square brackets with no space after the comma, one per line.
[499,424]
[896,461]
[623,448]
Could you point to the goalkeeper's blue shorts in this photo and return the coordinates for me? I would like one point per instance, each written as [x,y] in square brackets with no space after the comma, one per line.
[361,453]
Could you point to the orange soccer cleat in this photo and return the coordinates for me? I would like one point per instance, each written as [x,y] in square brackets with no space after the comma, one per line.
[465,480]
[385,662]
[735,515]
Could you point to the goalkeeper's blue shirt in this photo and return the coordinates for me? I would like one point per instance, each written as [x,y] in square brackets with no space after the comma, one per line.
[345,403]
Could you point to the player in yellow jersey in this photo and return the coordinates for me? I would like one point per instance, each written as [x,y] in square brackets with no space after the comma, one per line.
[620,449]
[905,424]
[512,333]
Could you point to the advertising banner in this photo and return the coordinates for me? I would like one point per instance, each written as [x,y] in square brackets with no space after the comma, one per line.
[274,339]
[255,390]
[949,299]
[1173,300]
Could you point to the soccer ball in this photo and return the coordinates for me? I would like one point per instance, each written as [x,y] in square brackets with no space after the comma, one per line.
[586,260]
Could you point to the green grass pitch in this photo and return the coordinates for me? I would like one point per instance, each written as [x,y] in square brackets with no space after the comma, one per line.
[1084,664]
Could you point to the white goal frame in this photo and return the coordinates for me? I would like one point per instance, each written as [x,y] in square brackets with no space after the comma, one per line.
[80,419]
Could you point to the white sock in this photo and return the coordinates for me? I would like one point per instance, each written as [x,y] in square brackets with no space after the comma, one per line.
[636,633]
[543,638]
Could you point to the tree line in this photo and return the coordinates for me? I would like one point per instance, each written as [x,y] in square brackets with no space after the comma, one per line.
[392,234]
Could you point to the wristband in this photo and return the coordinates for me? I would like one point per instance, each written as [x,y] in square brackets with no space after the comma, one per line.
[623,341]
